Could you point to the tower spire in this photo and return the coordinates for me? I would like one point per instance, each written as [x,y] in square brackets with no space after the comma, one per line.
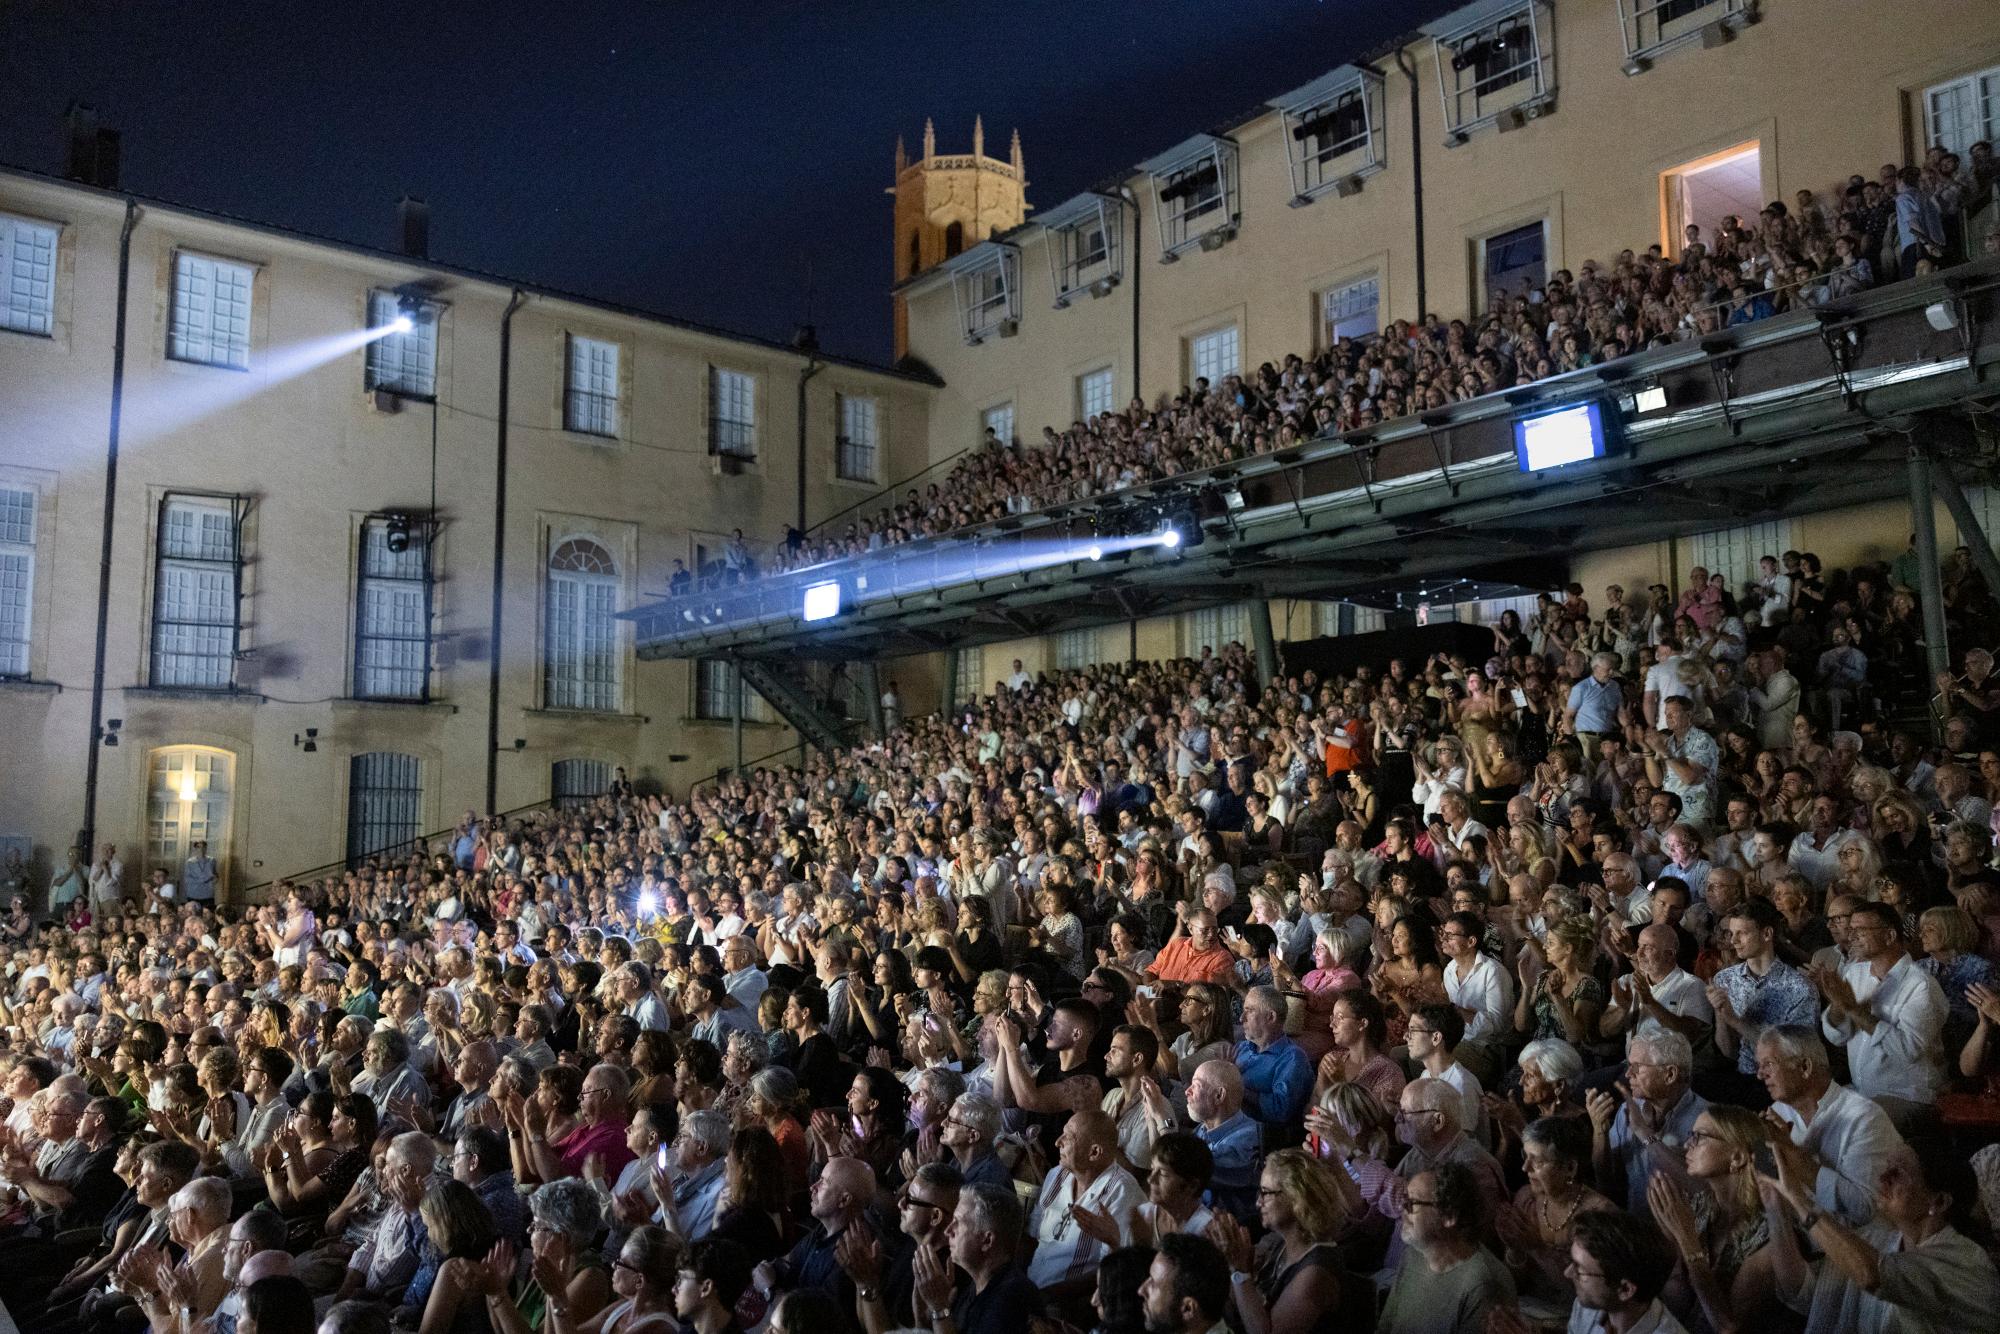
[979,136]
[903,157]
[930,139]
[1014,156]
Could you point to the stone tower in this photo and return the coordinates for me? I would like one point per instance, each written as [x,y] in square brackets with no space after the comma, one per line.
[949,203]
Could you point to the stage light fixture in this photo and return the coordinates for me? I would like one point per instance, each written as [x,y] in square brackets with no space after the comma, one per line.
[398,537]
[1170,539]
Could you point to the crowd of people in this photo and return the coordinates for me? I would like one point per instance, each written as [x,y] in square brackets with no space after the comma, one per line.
[1821,246]
[1619,978]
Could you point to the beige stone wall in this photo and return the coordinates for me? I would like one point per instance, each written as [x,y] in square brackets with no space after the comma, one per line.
[313,457]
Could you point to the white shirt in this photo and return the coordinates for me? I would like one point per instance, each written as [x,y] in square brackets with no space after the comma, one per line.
[1471,1112]
[1680,993]
[1853,1138]
[1947,1283]
[1816,863]
[1656,1320]
[1063,1250]
[1486,989]
[1904,1056]
[1663,680]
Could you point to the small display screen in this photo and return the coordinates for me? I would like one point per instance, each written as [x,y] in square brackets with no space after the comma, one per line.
[822,601]
[1568,435]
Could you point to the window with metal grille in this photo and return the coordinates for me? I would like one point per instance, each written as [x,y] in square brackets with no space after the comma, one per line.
[1499,64]
[402,363]
[732,421]
[970,682]
[17,578]
[27,276]
[578,782]
[1076,648]
[1093,394]
[855,457]
[590,404]
[714,679]
[1195,191]
[1351,310]
[1213,355]
[392,626]
[1213,628]
[1085,237]
[197,579]
[385,801]
[580,650]
[999,422]
[210,325]
[1734,552]
[1964,111]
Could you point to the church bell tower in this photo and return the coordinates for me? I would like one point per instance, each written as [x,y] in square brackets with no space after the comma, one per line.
[949,203]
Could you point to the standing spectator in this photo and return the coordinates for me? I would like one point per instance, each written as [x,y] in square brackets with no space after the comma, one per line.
[1888,1013]
[1825,1134]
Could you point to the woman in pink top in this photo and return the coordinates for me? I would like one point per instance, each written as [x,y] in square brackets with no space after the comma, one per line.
[1322,985]
[604,1110]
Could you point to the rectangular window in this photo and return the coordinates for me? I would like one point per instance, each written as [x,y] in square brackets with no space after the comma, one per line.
[1076,648]
[1964,111]
[714,678]
[1345,618]
[1213,355]
[27,276]
[1195,193]
[402,363]
[392,630]
[195,595]
[575,783]
[1214,628]
[855,455]
[999,423]
[211,315]
[385,801]
[17,578]
[1498,65]
[732,421]
[1515,261]
[970,683]
[1734,552]
[1093,394]
[590,406]
[1351,310]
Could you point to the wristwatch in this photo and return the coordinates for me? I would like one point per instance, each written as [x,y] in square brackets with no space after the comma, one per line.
[866,1294]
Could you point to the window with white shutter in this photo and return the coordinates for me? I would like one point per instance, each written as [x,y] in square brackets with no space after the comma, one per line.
[591,405]
[17,578]
[1094,394]
[1964,111]
[580,649]
[392,632]
[402,363]
[27,276]
[1213,355]
[732,421]
[856,457]
[195,594]
[999,419]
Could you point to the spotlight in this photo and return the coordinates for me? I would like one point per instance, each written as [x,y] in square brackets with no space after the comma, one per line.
[649,903]
[402,324]
[398,537]
[309,743]
[1170,539]
[1096,551]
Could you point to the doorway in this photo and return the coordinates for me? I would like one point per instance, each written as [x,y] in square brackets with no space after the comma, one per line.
[1703,192]
[190,797]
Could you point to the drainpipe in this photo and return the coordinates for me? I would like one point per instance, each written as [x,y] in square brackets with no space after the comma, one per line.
[1416,175]
[498,612]
[1138,245]
[812,367]
[88,837]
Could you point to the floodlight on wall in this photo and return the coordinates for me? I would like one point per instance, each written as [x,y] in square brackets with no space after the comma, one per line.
[398,537]
[309,743]
[108,734]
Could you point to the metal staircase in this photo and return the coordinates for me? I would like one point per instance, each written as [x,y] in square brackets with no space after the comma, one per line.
[812,710]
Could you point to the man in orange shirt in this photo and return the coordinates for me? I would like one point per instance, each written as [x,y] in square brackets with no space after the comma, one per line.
[1198,956]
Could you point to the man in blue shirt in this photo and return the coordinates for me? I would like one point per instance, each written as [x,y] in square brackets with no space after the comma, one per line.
[1591,713]
[1277,1076]
[1215,1100]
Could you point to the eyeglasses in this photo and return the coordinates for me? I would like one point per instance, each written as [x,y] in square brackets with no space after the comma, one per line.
[1697,1136]
[1411,1204]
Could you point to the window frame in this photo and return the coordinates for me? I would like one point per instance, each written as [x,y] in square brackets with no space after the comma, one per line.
[180,344]
[742,446]
[566,684]
[1219,619]
[236,507]
[1194,346]
[564,773]
[1325,329]
[1109,380]
[407,799]
[384,306]
[1972,79]
[1192,221]
[711,701]
[1073,269]
[12,228]
[986,291]
[1483,272]
[422,537]
[17,655]
[986,416]
[847,449]
[603,418]
[1643,47]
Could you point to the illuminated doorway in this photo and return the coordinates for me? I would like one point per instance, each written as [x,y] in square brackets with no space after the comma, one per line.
[1705,191]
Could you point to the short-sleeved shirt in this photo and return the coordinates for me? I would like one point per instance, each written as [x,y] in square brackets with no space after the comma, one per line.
[1006,1305]
[1781,996]
[1422,1301]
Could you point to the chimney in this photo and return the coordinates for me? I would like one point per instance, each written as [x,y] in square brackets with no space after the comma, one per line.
[93,149]
[806,339]
[413,226]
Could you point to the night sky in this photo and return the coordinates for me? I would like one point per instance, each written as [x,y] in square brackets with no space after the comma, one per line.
[685,158]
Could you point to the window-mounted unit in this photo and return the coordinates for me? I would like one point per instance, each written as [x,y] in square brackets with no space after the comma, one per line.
[1086,246]
[1333,133]
[1652,28]
[1495,65]
[1197,195]
[986,287]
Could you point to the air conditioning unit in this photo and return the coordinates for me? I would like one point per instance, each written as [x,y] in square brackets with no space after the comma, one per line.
[1008,328]
[1103,286]
[1218,238]
[386,400]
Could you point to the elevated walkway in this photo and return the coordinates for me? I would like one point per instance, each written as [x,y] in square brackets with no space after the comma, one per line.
[1806,412]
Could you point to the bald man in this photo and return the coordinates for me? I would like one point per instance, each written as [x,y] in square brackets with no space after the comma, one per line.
[1215,1100]
[840,1199]
[1087,1181]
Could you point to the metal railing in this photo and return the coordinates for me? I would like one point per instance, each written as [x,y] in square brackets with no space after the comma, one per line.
[421,842]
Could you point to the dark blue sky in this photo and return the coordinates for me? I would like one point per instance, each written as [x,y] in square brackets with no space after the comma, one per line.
[681,157]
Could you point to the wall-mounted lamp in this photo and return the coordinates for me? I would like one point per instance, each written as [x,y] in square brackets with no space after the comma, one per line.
[108,733]
[309,743]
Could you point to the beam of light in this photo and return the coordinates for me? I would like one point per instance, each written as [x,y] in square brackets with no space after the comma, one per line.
[1096,551]
[402,324]
[159,407]
[1170,539]
[649,903]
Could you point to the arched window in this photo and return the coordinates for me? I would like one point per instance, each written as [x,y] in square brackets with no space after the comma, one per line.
[189,801]
[954,239]
[385,802]
[581,647]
